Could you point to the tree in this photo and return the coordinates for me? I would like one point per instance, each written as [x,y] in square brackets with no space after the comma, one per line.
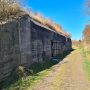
[86,34]
[87,7]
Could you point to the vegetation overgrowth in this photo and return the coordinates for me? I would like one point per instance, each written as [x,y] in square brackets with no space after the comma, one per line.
[35,73]
[9,9]
[12,8]
[86,62]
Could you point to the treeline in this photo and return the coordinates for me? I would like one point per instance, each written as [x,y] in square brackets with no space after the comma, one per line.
[86,39]
[76,43]
[86,34]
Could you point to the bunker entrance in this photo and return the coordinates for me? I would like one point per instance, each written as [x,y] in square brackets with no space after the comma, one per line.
[52,48]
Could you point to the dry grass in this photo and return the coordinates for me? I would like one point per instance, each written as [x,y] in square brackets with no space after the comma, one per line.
[47,22]
[8,9]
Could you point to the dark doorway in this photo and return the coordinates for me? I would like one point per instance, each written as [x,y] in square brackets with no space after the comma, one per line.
[52,48]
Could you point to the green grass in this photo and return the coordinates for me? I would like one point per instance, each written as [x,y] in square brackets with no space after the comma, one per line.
[29,81]
[39,71]
[86,63]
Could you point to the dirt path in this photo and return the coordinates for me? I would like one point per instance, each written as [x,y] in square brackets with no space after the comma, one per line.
[67,75]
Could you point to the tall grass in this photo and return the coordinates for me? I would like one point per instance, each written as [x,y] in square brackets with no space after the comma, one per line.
[36,72]
[47,22]
[11,8]
[86,63]
[8,9]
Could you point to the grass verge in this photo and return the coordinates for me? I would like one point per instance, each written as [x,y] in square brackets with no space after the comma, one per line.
[40,70]
[87,67]
[29,81]
[86,63]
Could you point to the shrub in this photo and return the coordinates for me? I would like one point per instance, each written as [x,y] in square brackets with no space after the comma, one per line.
[20,70]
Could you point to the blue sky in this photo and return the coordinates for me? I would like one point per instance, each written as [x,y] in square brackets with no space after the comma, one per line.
[68,13]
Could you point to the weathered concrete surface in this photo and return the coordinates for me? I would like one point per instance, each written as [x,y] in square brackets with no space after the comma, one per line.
[24,41]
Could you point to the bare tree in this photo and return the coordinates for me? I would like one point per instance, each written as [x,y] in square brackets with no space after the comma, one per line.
[87,7]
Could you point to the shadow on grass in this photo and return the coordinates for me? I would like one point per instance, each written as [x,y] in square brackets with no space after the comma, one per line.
[35,69]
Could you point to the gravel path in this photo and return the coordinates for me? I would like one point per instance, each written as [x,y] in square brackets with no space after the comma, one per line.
[67,75]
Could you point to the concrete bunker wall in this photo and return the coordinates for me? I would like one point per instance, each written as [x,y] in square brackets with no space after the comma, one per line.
[9,48]
[46,43]
[23,42]
[15,45]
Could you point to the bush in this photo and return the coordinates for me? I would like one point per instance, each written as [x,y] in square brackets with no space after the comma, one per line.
[20,70]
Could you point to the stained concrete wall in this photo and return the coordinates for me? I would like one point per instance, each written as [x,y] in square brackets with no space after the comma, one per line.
[9,48]
[24,41]
[47,43]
